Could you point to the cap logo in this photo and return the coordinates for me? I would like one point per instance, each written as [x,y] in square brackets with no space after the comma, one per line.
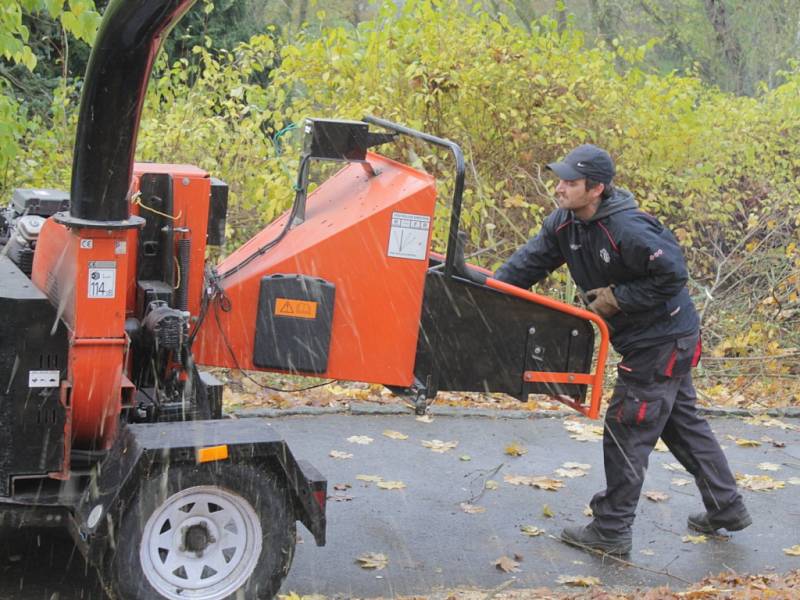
[605,255]
[580,164]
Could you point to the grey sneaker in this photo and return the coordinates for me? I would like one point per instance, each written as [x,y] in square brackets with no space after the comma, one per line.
[704,524]
[589,537]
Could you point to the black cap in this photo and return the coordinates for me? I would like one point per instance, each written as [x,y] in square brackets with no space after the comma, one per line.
[585,162]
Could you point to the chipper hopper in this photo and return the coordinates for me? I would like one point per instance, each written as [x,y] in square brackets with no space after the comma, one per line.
[108,425]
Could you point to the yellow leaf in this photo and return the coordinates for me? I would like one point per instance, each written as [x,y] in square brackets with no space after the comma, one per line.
[465,458]
[369,478]
[661,446]
[547,512]
[530,530]
[395,435]
[506,564]
[340,455]
[680,482]
[439,445]
[583,433]
[747,443]
[578,580]
[766,466]
[360,439]
[391,485]
[491,485]
[574,465]
[694,539]
[758,483]
[793,481]
[543,483]
[515,449]
[793,551]
[587,511]
[656,496]
[372,560]
[677,467]
[647,552]
[471,509]
[570,473]
[425,419]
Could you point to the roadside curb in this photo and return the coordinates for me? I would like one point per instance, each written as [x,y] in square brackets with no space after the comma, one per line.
[367,409]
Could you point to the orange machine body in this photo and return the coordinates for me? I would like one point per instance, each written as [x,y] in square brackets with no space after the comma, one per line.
[358,235]
[84,272]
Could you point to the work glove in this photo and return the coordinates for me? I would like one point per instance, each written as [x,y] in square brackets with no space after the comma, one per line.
[603,302]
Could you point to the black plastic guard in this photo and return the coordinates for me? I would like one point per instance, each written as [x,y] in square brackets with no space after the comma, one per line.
[475,339]
[143,448]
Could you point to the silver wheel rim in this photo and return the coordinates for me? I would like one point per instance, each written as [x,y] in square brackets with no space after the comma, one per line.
[201,543]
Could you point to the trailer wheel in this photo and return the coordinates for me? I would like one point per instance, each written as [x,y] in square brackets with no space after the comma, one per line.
[205,533]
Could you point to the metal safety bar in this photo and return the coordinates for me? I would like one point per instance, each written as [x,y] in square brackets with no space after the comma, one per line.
[458,192]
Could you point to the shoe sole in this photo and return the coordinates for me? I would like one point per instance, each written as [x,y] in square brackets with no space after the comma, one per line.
[612,550]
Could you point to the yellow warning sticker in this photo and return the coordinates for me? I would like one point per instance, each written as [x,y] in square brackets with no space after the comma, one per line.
[300,309]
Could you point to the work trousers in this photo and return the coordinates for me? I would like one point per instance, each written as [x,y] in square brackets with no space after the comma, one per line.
[641,412]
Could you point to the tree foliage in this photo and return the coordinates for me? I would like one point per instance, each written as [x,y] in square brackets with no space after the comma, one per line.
[720,169]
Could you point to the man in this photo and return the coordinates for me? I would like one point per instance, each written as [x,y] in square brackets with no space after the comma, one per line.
[634,276]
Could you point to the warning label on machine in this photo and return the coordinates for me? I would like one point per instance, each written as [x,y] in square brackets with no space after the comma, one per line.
[409,236]
[300,309]
[102,278]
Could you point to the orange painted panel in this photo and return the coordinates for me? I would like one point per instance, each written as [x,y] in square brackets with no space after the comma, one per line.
[369,236]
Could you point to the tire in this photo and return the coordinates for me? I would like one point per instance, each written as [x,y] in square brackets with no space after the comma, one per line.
[208,532]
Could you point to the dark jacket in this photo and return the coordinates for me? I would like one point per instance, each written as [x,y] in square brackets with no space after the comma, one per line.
[621,246]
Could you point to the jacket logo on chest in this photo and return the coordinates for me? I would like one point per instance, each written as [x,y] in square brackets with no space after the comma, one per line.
[605,255]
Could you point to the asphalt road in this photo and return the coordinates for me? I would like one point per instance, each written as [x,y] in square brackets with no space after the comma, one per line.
[432,544]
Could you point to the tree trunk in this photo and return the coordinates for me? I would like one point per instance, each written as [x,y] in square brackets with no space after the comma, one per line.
[726,39]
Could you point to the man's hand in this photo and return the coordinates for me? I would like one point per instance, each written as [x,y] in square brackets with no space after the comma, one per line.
[603,302]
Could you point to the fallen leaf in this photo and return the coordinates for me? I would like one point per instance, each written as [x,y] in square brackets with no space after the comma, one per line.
[391,485]
[793,551]
[675,467]
[570,473]
[543,483]
[369,478]
[680,482]
[340,497]
[425,419]
[587,511]
[360,439]
[647,552]
[766,466]
[656,496]
[758,483]
[767,421]
[341,486]
[661,446]
[395,435]
[506,564]
[340,455]
[694,539]
[747,443]
[583,433]
[439,445]
[547,512]
[372,560]
[531,530]
[578,580]
[793,481]
[471,509]
[515,449]
[574,465]
[465,457]
[491,484]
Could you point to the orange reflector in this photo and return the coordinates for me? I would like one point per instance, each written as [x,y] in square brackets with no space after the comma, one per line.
[212,453]
[301,309]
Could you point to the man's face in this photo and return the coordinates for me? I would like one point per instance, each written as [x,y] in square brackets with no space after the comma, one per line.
[573,195]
